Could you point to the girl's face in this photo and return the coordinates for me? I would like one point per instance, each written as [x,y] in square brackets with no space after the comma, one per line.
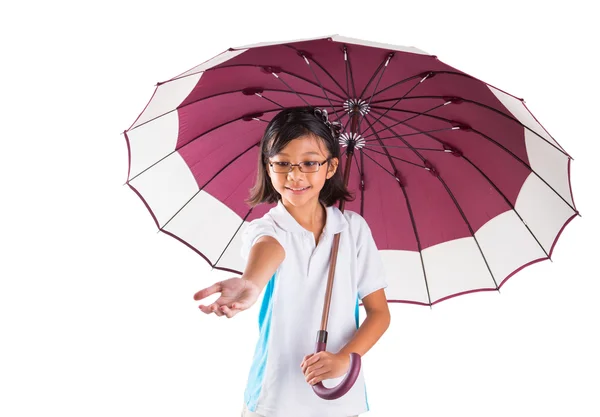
[302,149]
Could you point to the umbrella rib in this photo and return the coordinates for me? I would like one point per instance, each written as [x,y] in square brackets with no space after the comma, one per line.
[414,116]
[284,91]
[406,147]
[320,85]
[429,74]
[485,106]
[232,237]
[291,88]
[193,140]
[500,146]
[457,207]
[349,69]
[393,157]
[412,219]
[323,69]
[385,65]
[495,187]
[400,82]
[489,86]
[405,94]
[249,65]
[208,182]
[217,95]
[381,166]
[507,202]
[362,184]
[420,132]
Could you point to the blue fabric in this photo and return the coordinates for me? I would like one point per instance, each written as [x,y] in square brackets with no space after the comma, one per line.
[356,313]
[257,370]
[357,326]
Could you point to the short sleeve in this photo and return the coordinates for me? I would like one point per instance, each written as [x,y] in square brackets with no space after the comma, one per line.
[255,230]
[371,274]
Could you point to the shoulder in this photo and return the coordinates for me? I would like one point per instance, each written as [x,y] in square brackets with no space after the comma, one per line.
[355,220]
[358,227]
[265,220]
[259,226]
[256,229]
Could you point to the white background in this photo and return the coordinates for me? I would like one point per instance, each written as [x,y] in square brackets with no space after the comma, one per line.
[96,309]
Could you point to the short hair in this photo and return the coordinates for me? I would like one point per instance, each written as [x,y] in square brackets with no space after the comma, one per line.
[289,124]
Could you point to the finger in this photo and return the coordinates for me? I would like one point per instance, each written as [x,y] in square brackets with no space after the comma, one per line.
[314,358]
[239,305]
[310,365]
[317,369]
[229,312]
[215,309]
[305,358]
[303,364]
[319,378]
[311,360]
[216,287]
[205,309]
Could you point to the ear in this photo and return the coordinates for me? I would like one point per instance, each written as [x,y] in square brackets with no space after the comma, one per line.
[332,167]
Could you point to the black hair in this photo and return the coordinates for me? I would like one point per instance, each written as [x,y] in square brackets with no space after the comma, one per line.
[289,124]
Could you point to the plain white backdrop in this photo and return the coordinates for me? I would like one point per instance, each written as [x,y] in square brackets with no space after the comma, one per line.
[96,309]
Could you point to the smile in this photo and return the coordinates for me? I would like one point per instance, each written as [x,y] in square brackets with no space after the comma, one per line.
[297,190]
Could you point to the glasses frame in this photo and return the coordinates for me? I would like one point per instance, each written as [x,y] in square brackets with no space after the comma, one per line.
[299,167]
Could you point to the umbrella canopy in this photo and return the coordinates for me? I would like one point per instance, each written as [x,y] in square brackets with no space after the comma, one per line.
[460,184]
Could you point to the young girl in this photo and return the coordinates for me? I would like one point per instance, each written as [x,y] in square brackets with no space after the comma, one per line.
[288,252]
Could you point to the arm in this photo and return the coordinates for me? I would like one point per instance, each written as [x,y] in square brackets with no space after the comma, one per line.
[374,326]
[336,364]
[241,293]
[265,257]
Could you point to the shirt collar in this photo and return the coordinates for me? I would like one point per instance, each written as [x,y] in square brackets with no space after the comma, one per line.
[335,222]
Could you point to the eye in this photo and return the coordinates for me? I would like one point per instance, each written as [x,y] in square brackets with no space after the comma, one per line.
[310,163]
[282,164]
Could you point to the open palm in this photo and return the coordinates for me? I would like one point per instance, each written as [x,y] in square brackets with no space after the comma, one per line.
[237,294]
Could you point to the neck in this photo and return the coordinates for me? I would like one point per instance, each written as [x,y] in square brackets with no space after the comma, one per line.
[308,215]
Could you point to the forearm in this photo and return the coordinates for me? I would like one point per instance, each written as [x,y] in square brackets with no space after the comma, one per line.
[265,257]
[370,331]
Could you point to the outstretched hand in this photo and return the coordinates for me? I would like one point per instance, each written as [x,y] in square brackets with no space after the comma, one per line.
[237,294]
[319,366]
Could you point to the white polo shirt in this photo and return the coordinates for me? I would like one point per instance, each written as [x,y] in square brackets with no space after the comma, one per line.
[292,307]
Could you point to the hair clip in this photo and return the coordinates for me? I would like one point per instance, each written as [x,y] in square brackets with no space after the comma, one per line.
[334,127]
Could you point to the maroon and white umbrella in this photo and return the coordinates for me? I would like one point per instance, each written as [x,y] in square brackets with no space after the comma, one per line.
[460,184]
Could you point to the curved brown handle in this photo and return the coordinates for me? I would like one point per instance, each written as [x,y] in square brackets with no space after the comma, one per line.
[345,385]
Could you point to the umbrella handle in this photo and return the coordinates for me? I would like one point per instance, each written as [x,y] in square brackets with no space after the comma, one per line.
[345,385]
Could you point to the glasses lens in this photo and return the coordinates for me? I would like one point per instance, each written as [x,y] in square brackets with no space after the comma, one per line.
[309,166]
[281,167]
[284,167]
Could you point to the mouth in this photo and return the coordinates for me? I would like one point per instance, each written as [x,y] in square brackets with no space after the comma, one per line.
[297,190]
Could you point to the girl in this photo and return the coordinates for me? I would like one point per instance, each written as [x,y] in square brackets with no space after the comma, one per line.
[288,252]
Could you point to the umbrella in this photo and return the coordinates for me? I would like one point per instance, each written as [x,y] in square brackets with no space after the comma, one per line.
[460,184]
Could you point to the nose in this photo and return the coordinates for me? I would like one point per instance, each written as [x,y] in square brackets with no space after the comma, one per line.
[295,172]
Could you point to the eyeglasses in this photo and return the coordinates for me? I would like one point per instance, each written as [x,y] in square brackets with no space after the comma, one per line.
[306,166]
